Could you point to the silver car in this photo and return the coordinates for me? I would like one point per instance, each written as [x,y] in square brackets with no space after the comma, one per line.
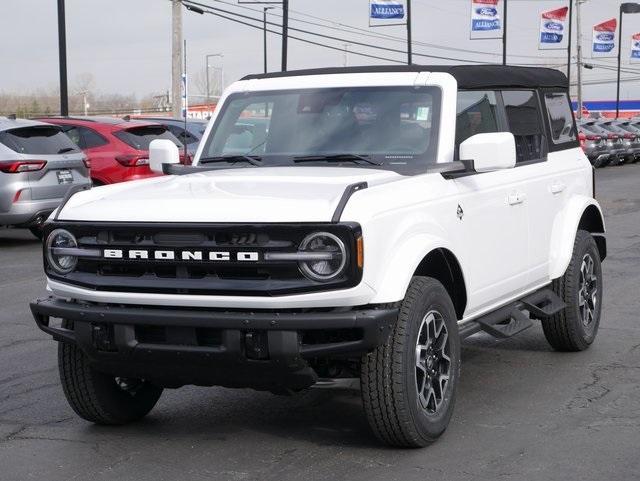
[38,165]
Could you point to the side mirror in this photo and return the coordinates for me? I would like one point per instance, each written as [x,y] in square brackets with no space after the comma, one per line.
[162,151]
[489,152]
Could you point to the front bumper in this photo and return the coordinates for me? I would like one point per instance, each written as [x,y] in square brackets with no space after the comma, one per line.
[177,346]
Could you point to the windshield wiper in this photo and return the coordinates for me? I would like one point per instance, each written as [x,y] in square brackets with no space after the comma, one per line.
[64,150]
[337,158]
[253,160]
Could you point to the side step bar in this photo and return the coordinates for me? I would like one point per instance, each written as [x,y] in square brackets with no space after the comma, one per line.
[516,317]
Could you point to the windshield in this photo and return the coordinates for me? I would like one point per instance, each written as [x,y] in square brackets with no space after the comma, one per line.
[395,127]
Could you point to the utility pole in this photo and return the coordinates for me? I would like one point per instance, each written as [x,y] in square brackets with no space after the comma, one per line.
[285,33]
[62,56]
[176,58]
[579,56]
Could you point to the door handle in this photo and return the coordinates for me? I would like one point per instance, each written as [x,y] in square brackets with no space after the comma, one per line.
[557,187]
[517,198]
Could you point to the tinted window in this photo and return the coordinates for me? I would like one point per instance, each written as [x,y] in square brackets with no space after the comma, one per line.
[476,114]
[140,137]
[74,134]
[560,117]
[182,135]
[91,138]
[523,115]
[38,140]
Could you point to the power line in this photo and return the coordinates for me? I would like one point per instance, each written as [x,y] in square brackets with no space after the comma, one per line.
[366,33]
[344,40]
[297,38]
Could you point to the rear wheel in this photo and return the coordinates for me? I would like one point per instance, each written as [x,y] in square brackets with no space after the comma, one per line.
[101,398]
[575,327]
[409,383]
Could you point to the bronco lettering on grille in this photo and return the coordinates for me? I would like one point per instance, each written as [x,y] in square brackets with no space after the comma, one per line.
[184,255]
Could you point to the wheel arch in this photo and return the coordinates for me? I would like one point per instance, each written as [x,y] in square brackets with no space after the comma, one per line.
[580,213]
[442,265]
[427,256]
[593,222]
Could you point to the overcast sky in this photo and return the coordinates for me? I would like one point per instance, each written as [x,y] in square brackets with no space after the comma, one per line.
[126,44]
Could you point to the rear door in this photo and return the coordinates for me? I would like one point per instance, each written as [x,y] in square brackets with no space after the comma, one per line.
[64,160]
[552,180]
[99,151]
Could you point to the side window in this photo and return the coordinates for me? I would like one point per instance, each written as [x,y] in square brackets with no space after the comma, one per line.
[523,116]
[560,117]
[74,134]
[91,138]
[476,114]
[183,135]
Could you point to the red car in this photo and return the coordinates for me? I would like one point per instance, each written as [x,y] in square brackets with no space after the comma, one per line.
[118,149]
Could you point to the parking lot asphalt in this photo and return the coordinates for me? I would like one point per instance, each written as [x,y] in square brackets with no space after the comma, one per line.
[523,411]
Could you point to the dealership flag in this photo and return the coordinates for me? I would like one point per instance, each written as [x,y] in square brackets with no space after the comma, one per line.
[604,39]
[387,12]
[552,27]
[485,19]
[635,48]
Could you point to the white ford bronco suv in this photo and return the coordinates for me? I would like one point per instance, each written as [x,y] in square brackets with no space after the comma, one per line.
[337,224]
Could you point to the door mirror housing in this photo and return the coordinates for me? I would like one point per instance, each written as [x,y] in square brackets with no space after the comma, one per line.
[489,152]
[162,151]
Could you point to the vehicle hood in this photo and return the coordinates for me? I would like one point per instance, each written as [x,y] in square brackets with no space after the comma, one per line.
[247,195]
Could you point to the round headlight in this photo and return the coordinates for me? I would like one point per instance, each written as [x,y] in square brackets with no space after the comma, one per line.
[326,256]
[57,242]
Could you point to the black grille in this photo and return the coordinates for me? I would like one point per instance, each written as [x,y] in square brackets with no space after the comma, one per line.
[259,278]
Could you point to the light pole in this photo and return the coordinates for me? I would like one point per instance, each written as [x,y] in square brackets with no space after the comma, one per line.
[62,53]
[409,45]
[346,52]
[264,34]
[285,33]
[504,35]
[206,67]
[624,8]
[569,44]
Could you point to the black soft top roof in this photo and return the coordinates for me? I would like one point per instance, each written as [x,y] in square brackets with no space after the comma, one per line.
[468,76]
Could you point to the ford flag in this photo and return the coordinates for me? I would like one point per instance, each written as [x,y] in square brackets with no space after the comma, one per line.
[552,27]
[387,12]
[485,19]
[635,48]
[604,39]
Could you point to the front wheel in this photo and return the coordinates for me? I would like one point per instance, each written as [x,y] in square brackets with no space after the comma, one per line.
[575,327]
[101,398]
[409,383]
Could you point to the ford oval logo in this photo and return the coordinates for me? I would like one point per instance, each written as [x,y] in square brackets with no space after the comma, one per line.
[605,37]
[554,26]
[487,11]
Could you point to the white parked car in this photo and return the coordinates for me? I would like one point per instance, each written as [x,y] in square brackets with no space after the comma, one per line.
[337,224]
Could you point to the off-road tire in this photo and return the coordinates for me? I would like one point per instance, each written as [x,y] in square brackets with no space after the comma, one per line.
[388,374]
[96,396]
[566,331]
